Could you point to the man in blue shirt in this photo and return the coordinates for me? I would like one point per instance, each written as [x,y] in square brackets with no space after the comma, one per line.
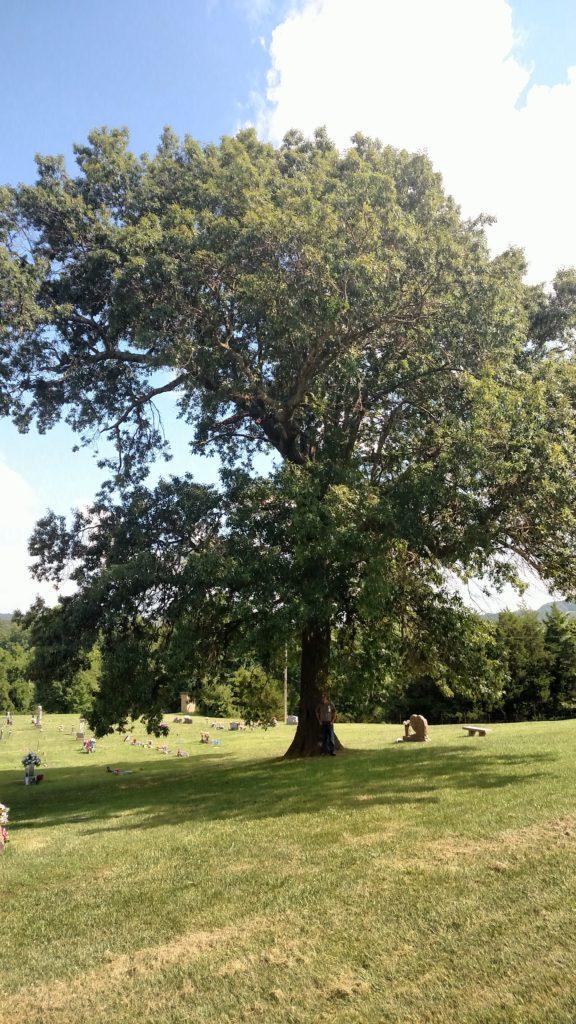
[326,715]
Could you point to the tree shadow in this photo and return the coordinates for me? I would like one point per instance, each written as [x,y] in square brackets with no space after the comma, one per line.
[225,788]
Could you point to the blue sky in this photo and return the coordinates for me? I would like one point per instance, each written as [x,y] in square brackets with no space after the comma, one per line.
[207,66]
[68,67]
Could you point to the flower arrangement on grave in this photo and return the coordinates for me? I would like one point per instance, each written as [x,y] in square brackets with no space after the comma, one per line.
[163,729]
[31,759]
[4,815]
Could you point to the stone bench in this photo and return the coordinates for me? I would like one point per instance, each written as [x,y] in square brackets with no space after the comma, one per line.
[476,730]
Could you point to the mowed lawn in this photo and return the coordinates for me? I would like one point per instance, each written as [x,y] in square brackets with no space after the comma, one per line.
[414,883]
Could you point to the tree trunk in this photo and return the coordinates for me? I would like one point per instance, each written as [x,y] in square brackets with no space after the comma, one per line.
[315,660]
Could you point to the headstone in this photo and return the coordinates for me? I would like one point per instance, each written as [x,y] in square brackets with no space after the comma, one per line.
[416,729]
[291,719]
[39,717]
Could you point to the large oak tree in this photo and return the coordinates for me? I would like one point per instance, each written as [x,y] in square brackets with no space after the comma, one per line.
[333,309]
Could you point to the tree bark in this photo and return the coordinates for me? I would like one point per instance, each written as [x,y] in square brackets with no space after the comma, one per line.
[314,664]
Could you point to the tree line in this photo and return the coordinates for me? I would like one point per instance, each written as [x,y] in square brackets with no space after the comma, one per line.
[524,669]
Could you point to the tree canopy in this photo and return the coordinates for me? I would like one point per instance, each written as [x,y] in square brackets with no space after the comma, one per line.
[331,309]
[16,688]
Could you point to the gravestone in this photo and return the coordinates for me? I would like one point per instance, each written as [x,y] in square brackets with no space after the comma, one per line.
[415,730]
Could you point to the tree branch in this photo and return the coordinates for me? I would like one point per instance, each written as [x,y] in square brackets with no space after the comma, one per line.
[143,400]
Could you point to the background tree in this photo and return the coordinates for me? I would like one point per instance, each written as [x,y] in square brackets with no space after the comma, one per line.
[65,675]
[560,641]
[332,309]
[523,650]
[258,695]
[216,699]
[16,688]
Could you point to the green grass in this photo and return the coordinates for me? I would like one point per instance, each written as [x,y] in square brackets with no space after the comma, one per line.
[422,884]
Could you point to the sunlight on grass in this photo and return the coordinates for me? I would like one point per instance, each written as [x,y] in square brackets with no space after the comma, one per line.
[410,883]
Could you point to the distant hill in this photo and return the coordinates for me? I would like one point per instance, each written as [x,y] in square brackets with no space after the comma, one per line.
[5,623]
[568,607]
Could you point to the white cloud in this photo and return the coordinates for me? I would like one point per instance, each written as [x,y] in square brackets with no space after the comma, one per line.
[19,509]
[438,76]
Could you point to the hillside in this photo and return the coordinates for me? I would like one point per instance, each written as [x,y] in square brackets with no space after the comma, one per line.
[5,622]
[568,607]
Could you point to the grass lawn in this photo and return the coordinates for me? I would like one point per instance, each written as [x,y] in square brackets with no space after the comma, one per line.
[425,884]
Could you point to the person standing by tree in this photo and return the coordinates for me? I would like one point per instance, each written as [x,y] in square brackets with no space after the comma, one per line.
[326,715]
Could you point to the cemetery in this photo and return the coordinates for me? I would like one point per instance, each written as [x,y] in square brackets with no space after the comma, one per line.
[235,885]
[288,512]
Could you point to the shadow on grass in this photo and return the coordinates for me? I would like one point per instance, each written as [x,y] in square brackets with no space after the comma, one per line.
[165,793]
